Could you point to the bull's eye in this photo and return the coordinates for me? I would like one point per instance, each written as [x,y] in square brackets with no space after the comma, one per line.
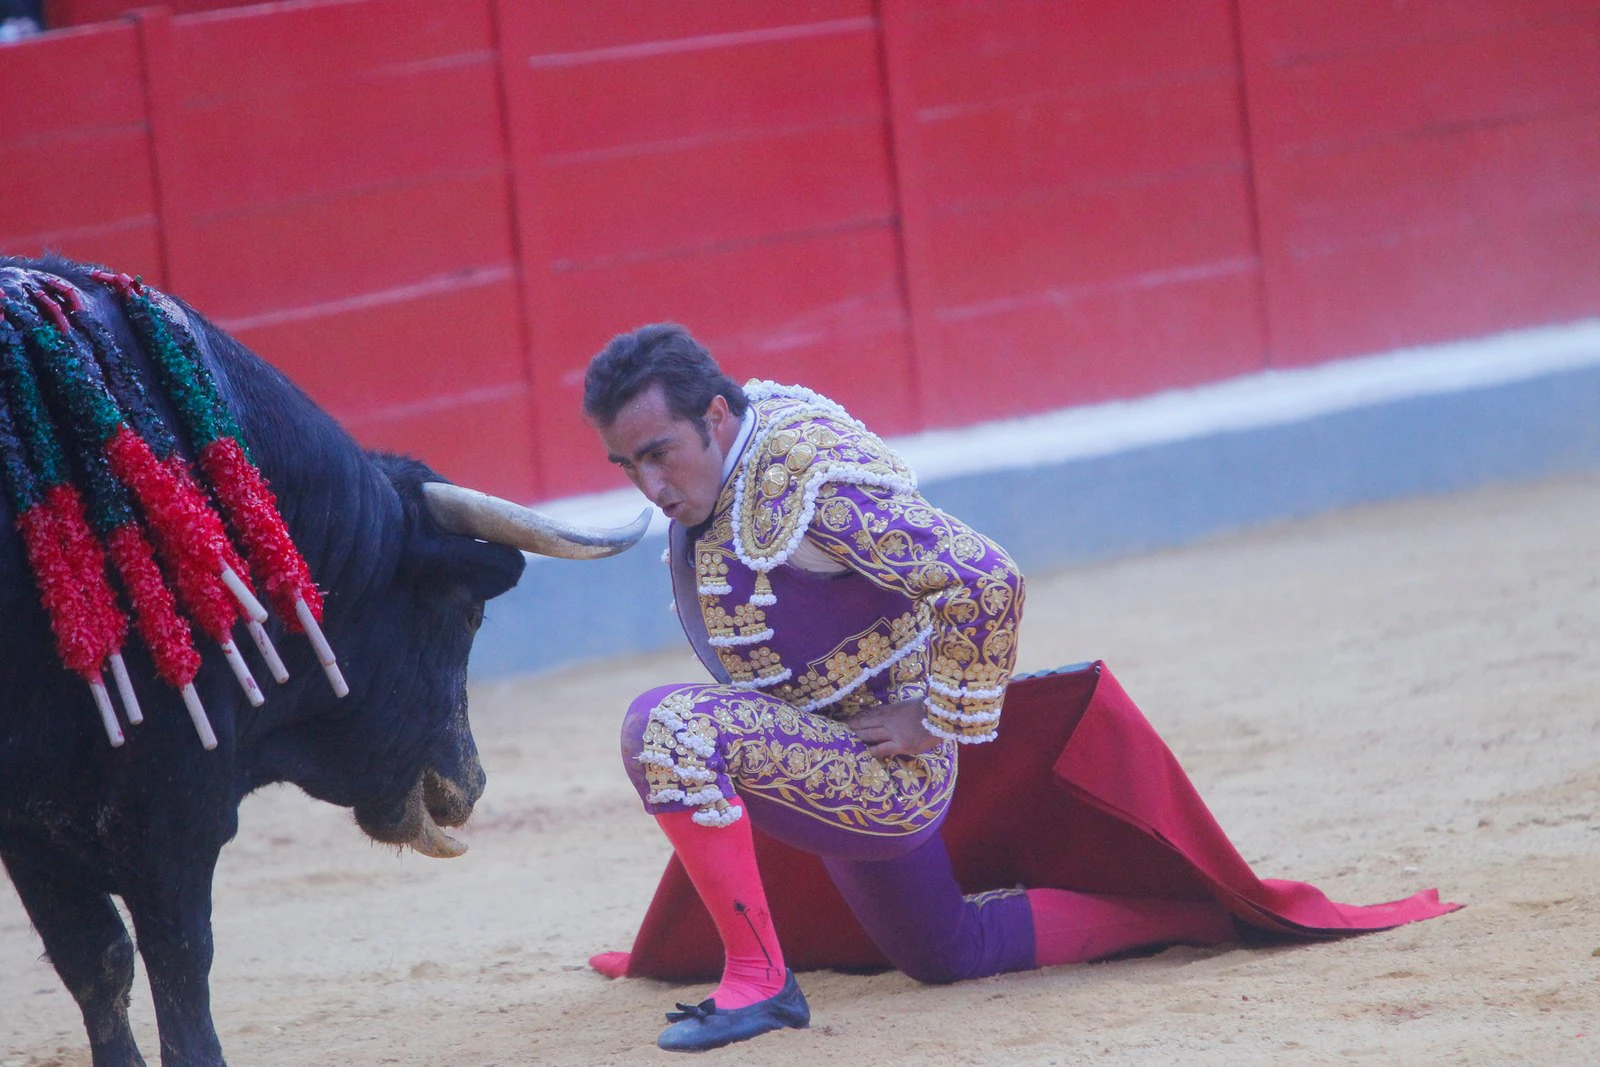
[474,618]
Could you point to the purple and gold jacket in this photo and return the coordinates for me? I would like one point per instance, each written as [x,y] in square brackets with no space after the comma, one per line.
[825,579]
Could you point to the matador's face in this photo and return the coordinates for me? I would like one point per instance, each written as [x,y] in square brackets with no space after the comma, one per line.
[667,457]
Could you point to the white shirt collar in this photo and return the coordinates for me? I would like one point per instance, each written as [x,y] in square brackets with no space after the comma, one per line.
[746,426]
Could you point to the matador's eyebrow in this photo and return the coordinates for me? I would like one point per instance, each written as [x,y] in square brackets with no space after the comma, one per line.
[643,450]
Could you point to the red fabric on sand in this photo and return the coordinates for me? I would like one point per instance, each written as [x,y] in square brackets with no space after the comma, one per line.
[1078,792]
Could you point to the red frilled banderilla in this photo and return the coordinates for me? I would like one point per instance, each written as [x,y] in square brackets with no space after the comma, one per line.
[93,472]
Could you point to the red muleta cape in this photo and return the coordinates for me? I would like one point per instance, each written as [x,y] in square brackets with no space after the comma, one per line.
[1078,792]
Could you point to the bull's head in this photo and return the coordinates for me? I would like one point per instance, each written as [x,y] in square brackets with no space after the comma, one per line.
[399,750]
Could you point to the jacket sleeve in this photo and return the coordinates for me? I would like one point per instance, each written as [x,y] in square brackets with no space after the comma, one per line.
[971,588]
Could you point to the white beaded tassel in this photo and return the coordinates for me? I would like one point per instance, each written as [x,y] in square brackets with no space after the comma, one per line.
[108,714]
[330,665]
[197,715]
[130,699]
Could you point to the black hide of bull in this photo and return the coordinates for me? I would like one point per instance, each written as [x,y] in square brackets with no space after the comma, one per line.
[80,820]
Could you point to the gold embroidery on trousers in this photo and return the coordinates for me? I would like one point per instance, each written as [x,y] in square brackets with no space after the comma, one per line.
[801,760]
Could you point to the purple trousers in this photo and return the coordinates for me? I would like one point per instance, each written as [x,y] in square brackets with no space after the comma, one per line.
[807,781]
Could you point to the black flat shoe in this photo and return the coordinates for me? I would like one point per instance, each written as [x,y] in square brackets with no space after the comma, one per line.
[697,1027]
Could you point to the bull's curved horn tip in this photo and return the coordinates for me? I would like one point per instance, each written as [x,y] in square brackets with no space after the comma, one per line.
[635,530]
[464,511]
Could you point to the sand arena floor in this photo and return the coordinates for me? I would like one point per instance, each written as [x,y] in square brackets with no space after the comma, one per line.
[1377,701]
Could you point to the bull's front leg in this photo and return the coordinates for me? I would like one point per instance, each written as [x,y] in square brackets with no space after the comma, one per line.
[172,920]
[84,937]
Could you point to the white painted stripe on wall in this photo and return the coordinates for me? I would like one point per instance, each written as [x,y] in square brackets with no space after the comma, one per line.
[1252,401]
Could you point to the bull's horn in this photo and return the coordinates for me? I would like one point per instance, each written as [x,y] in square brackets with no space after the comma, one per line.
[466,511]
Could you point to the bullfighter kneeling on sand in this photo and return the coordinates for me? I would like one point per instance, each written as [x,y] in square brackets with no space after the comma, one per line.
[858,639]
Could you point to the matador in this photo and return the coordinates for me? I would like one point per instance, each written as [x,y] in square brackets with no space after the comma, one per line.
[858,639]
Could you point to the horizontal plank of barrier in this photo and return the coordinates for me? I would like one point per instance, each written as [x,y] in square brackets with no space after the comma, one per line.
[824,308]
[738,181]
[59,13]
[75,150]
[1416,179]
[1076,195]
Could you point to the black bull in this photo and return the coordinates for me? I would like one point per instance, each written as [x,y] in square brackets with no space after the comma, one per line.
[404,587]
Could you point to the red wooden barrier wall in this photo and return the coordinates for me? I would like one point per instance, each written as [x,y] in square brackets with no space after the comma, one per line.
[339,198]
[77,167]
[722,164]
[430,214]
[1424,170]
[79,12]
[1076,199]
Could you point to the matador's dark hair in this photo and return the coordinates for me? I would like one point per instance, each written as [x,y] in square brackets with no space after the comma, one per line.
[662,353]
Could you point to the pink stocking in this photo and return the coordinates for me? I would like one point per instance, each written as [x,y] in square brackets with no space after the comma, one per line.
[721,862]
[1073,927]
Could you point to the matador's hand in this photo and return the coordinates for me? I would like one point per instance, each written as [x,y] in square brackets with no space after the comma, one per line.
[894,730]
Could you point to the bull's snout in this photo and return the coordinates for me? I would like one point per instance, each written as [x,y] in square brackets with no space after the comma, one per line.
[450,800]
[454,779]
[451,782]
[434,802]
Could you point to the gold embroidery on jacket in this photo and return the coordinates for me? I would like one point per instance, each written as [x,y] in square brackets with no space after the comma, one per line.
[967,582]
[796,449]
[845,668]
[810,468]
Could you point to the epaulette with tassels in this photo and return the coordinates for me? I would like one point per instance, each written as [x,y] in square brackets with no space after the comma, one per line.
[72,405]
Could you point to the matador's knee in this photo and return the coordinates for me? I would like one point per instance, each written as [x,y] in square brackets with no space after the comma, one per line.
[634,724]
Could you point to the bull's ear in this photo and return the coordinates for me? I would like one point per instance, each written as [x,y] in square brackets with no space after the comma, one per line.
[485,570]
